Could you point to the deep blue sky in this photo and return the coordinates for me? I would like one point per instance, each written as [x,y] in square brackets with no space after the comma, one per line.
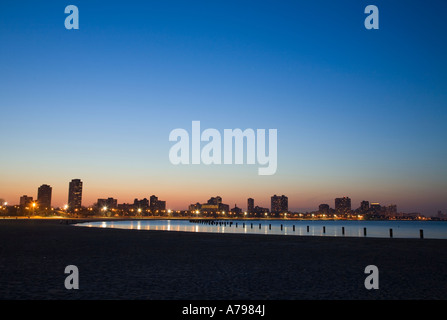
[359,113]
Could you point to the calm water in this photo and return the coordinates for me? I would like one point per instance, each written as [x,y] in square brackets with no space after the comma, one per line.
[380,229]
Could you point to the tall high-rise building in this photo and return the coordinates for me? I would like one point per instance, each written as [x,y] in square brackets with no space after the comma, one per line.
[44,197]
[74,194]
[250,205]
[343,205]
[279,204]
[153,203]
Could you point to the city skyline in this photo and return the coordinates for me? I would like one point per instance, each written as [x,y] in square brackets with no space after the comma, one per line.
[358,112]
[277,204]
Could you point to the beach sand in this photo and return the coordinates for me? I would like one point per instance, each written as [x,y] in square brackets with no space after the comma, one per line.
[157,265]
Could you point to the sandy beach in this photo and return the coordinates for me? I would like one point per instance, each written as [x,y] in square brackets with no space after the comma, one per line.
[157,265]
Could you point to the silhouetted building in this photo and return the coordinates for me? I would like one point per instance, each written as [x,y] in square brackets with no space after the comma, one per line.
[260,211]
[343,205]
[141,204]
[236,211]
[250,205]
[156,205]
[213,205]
[25,201]
[364,206]
[44,197]
[126,207]
[215,200]
[161,205]
[107,204]
[195,206]
[279,204]
[323,208]
[391,210]
[153,202]
[74,194]
[375,208]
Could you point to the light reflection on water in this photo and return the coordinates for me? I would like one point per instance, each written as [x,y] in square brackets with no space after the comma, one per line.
[380,229]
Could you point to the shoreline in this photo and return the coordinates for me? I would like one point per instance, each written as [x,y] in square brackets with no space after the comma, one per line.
[99,218]
[158,265]
[291,227]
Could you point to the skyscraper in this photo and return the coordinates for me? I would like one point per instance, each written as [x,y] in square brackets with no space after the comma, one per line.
[279,204]
[343,205]
[44,197]
[75,194]
[250,205]
[153,204]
